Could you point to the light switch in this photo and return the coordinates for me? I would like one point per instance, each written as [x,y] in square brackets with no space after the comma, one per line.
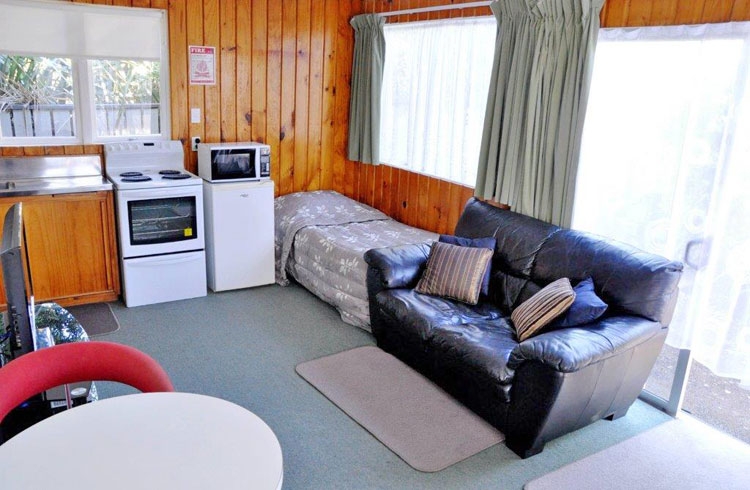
[195,115]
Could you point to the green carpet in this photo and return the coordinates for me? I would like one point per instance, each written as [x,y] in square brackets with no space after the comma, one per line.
[243,346]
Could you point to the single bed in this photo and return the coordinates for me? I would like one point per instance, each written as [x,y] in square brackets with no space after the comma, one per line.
[321,238]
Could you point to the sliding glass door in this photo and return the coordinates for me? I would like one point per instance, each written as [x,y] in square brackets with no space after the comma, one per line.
[665,166]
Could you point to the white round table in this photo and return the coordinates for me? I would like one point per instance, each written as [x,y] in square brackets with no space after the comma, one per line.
[147,440]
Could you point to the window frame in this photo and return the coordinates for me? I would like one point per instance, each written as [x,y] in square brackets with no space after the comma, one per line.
[84,105]
[411,166]
[16,141]
[86,91]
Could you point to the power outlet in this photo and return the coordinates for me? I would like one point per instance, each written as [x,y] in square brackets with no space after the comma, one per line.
[194,142]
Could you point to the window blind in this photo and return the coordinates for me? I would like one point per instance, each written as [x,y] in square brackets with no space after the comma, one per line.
[62,29]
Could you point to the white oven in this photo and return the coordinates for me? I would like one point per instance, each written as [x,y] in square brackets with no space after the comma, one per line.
[160,221]
[159,209]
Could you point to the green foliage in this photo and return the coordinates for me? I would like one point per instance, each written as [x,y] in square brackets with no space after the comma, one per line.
[125,82]
[32,81]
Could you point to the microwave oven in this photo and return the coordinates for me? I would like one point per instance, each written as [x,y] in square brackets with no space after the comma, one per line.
[231,162]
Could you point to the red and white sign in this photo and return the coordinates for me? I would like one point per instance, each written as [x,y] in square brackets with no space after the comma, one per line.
[202,65]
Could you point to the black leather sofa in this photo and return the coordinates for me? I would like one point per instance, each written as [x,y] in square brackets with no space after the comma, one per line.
[552,383]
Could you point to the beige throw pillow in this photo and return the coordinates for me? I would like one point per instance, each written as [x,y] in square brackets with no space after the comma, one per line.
[550,302]
[455,272]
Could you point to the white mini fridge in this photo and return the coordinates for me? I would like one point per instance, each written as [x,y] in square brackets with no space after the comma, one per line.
[239,224]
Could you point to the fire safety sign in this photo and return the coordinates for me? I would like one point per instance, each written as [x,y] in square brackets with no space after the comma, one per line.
[202,65]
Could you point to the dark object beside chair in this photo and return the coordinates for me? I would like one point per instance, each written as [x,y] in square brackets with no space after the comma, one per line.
[62,364]
[550,384]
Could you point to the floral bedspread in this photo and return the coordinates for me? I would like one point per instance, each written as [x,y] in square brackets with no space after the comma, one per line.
[321,238]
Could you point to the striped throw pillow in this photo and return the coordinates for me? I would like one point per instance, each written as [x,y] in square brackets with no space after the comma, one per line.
[550,302]
[454,272]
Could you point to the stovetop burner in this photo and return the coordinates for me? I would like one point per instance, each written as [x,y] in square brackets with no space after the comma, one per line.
[176,176]
[148,165]
[136,178]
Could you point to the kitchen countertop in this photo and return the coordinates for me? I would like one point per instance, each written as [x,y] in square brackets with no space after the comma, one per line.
[57,185]
[33,176]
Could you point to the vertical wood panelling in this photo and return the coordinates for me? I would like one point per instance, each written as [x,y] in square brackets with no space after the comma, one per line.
[344,179]
[627,13]
[273,90]
[666,10]
[212,93]
[259,58]
[283,77]
[288,94]
[740,10]
[196,93]
[329,165]
[178,75]
[302,98]
[316,94]
[229,73]
[244,89]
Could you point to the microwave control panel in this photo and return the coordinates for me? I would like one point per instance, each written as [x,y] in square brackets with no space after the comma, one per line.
[265,162]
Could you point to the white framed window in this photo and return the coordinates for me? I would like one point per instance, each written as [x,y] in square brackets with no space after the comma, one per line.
[73,73]
[37,100]
[435,82]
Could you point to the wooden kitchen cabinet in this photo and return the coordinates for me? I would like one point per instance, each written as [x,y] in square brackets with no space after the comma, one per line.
[72,246]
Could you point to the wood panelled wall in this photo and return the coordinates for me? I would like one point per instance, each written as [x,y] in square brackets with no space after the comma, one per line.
[277,74]
[633,13]
[284,68]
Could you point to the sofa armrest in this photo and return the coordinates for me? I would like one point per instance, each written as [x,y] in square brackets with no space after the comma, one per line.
[395,267]
[572,349]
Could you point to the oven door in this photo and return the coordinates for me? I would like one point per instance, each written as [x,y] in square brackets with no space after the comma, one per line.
[160,221]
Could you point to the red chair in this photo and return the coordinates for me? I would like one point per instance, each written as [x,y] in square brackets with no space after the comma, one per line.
[77,362]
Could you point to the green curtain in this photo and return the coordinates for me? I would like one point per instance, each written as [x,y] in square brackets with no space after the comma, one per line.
[544,55]
[367,80]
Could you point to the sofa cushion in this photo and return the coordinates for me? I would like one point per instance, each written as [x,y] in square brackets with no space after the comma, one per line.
[454,272]
[538,311]
[518,237]
[485,242]
[586,308]
[421,313]
[474,353]
[508,291]
[629,280]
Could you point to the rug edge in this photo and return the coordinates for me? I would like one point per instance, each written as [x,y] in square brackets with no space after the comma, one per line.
[416,466]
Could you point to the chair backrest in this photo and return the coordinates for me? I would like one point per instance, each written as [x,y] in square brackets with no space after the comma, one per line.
[76,362]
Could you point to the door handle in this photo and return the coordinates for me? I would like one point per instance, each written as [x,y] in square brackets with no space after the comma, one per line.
[699,260]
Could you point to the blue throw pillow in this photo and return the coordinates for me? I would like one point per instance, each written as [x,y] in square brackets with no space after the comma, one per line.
[586,308]
[488,242]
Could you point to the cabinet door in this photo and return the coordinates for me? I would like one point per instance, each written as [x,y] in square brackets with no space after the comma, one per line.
[71,247]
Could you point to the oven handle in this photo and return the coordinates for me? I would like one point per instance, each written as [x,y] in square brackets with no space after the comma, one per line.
[177,258]
[180,191]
